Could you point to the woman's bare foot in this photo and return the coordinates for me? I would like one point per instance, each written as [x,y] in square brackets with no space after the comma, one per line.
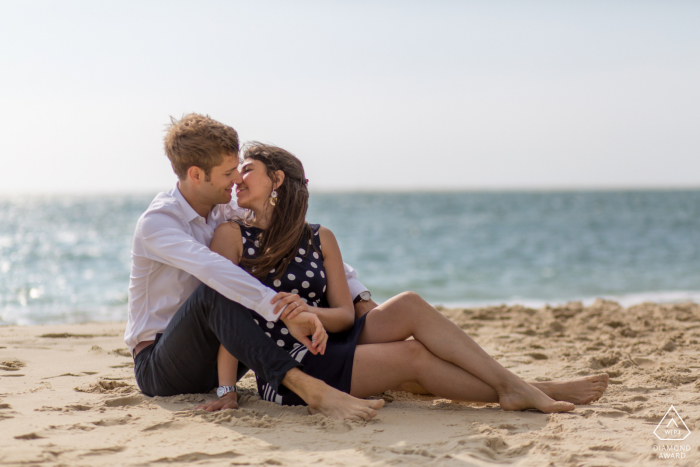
[577,391]
[327,400]
[341,406]
[524,396]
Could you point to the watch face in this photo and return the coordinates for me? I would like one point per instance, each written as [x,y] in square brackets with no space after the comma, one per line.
[221,391]
[366,296]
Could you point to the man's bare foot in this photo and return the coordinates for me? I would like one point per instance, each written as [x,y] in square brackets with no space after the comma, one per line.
[577,391]
[341,406]
[524,396]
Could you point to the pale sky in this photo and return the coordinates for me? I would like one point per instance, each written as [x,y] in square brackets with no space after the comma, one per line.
[370,95]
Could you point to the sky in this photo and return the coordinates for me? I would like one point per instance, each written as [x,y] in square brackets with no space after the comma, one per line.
[378,95]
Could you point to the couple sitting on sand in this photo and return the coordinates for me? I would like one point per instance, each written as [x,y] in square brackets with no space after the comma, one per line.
[219,287]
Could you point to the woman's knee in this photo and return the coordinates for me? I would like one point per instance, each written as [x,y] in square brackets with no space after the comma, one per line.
[409,297]
[411,302]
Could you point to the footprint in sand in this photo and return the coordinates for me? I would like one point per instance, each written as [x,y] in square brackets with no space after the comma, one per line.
[107,387]
[115,421]
[128,401]
[10,366]
[65,335]
[5,410]
[29,436]
[192,457]
[68,408]
[101,451]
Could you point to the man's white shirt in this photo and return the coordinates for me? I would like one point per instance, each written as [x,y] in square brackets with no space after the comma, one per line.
[171,257]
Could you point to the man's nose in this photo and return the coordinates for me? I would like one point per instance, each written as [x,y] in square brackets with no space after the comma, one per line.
[236,176]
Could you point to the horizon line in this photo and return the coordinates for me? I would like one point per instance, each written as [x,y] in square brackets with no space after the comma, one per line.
[401,190]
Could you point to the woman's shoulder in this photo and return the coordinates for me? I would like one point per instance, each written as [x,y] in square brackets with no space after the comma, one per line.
[230,230]
[239,226]
[229,226]
[326,237]
[227,241]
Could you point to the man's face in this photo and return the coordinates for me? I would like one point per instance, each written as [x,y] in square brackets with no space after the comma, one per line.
[218,188]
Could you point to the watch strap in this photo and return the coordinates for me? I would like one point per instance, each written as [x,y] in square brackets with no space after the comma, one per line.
[221,391]
[360,297]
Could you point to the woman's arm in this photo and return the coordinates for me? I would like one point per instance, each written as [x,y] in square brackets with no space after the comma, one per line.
[227,241]
[341,314]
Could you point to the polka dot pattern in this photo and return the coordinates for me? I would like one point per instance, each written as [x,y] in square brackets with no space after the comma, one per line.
[304,276]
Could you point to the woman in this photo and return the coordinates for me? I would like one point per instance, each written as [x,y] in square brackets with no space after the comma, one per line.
[372,354]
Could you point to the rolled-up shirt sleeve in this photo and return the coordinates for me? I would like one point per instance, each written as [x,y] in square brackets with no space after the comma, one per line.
[163,239]
[356,288]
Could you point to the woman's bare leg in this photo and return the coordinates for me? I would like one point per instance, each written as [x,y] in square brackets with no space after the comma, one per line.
[378,367]
[409,315]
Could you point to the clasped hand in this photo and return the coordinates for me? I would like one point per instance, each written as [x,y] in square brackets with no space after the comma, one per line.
[301,321]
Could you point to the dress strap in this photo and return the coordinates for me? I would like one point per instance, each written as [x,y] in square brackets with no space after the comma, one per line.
[316,238]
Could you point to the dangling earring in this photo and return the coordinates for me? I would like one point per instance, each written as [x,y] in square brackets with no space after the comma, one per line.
[273,197]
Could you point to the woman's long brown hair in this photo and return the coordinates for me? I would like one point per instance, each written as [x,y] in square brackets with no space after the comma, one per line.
[288,228]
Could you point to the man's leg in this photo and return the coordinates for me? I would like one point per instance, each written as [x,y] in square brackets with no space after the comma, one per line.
[183,360]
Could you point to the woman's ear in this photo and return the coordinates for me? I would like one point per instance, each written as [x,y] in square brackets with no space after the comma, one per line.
[279,178]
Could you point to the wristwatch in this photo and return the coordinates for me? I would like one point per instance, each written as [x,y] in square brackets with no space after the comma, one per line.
[221,391]
[363,297]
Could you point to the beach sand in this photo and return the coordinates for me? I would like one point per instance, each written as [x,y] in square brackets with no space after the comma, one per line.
[68,397]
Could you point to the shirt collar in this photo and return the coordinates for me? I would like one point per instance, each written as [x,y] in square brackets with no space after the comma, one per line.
[187,210]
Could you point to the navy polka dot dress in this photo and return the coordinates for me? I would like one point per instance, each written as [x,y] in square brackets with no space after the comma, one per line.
[306,277]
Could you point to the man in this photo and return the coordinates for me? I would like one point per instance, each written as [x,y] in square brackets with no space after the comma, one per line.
[186,301]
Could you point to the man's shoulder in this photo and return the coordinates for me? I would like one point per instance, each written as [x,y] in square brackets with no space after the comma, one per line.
[164,210]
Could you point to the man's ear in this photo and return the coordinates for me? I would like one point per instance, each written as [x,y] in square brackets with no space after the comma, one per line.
[195,174]
[279,178]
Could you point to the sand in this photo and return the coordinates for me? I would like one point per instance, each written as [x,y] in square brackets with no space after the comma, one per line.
[68,397]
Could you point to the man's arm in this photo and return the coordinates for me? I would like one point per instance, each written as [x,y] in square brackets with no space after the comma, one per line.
[163,239]
[356,288]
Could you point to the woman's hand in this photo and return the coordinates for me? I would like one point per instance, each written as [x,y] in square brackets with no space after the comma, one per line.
[228,401]
[306,324]
[290,304]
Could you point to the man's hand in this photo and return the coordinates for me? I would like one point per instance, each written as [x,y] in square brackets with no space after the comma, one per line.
[228,401]
[289,304]
[363,307]
[307,324]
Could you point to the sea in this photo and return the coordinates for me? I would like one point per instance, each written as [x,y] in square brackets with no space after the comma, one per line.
[66,258]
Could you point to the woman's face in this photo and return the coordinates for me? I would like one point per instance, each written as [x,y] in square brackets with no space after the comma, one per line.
[254,191]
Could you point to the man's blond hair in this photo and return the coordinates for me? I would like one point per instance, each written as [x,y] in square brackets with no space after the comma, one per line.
[200,141]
